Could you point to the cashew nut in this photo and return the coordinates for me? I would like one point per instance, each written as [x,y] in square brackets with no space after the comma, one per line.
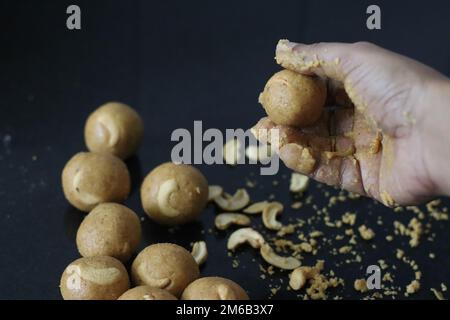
[233,203]
[299,182]
[298,277]
[232,152]
[86,197]
[269,215]
[165,191]
[240,236]
[214,191]
[102,276]
[224,220]
[108,129]
[225,292]
[287,263]
[257,207]
[199,252]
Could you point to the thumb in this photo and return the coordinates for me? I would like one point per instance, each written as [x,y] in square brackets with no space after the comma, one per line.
[333,60]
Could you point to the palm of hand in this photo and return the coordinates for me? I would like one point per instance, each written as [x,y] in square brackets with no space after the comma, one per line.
[350,148]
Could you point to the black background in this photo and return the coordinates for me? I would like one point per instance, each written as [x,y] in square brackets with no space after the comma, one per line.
[175,62]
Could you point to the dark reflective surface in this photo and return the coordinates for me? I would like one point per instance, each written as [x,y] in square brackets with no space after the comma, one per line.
[176,62]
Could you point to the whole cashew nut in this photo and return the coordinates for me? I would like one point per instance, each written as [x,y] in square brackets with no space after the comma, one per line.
[269,216]
[287,263]
[199,252]
[257,207]
[243,235]
[224,220]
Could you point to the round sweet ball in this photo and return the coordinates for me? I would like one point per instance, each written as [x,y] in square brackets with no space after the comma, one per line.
[174,194]
[110,229]
[293,99]
[94,278]
[214,288]
[114,128]
[165,266]
[147,293]
[91,178]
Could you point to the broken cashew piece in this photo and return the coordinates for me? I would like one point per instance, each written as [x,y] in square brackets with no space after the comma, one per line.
[269,216]
[257,207]
[224,220]
[243,235]
[199,252]
[298,277]
[299,182]
[214,191]
[287,263]
[233,203]
[232,152]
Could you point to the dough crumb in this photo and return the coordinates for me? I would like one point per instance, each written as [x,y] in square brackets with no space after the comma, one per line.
[366,233]
[360,285]
[413,287]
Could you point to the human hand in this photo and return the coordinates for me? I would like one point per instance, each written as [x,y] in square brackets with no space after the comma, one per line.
[388,141]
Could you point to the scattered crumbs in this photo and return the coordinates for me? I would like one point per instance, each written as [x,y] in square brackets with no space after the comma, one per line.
[360,285]
[435,212]
[414,230]
[345,249]
[382,264]
[349,218]
[387,277]
[315,234]
[275,290]
[413,287]
[399,253]
[366,233]
[296,205]
[432,255]
[250,184]
[437,294]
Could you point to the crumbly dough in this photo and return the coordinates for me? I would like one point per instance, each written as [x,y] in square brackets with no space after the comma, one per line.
[110,229]
[91,178]
[114,128]
[94,278]
[366,233]
[174,194]
[293,99]
[214,288]
[147,293]
[360,285]
[165,266]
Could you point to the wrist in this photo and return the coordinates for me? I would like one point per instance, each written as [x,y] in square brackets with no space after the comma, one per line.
[435,133]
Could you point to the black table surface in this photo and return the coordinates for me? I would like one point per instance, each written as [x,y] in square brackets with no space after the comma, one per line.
[176,62]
